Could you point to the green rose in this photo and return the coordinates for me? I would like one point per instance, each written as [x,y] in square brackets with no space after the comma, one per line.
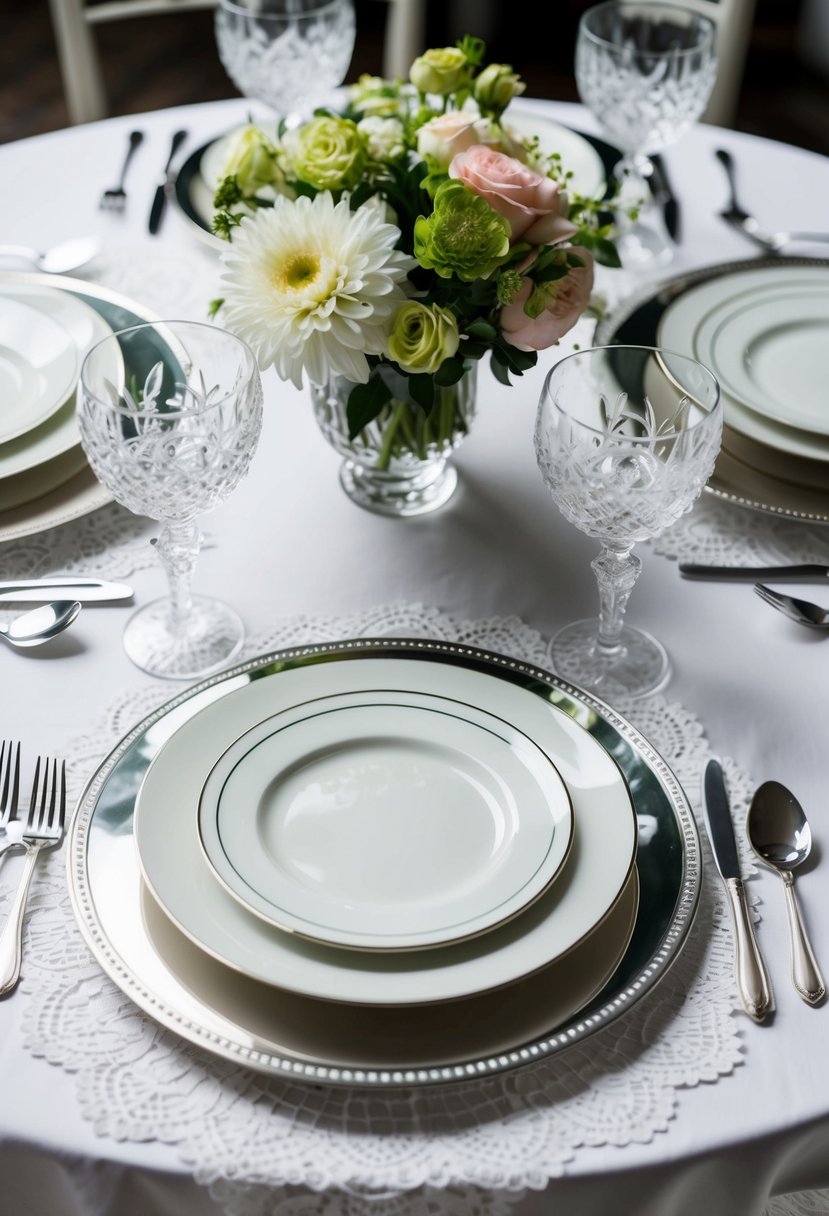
[329,153]
[422,337]
[252,161]
[496,86]
[440,71]
[462,236]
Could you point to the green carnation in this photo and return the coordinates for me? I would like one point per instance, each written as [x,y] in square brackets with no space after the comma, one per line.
[462,236]
[441,71]
[329,154]
[496,86]
[422,337]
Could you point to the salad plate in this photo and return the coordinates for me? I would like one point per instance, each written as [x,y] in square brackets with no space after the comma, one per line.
[39,364]
[751,472]
[177,873]
[237,1018]
[386,821]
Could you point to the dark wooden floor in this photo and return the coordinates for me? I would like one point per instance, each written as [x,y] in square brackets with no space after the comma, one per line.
[155,62]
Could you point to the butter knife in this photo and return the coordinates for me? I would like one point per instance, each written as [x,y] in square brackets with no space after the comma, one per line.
[758,574]
[43,590]
[664,197]
[160,198]
[752,978]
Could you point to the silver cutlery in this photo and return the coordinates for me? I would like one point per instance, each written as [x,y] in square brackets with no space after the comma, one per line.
[803,612]
[41,590]
[115,199]
[752,978]
[163,188]
[664,197]
[41,624]
[9,793]
[813,573]
[59,259]
[743,221]
[43,830]
[780,835]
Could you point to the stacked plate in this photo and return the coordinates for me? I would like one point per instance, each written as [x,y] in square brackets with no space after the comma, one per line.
[760,327]
[381,861]
[47,325]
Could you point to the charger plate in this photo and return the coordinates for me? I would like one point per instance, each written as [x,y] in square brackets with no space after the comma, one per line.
[81,493]
[384,821]
[181,987]
[749,473]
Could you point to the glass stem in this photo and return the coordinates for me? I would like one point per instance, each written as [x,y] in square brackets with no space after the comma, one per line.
[616,573]
[178,547]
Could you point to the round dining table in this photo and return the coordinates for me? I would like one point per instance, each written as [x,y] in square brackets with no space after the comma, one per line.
[684,1102]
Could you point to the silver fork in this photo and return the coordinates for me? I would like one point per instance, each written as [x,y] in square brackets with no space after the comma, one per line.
[738,217]
[115,199]
[9,792]
[44,830]
[804,612]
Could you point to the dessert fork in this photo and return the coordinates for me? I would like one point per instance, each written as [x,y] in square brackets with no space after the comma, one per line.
[43,830]
[804,612]
[115,199]
[739,218]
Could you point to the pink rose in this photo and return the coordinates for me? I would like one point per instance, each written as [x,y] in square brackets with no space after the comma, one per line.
[561,311]
[534,205]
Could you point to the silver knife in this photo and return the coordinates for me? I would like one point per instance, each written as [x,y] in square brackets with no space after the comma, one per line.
[758,574]
[160,197]
[752,978]
[665,198]
[42,590]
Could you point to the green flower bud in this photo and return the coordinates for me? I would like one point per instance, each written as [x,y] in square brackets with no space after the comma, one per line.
[422,337]
[462,236]
[329,153]
[252,161]
[440,71]
[496,86]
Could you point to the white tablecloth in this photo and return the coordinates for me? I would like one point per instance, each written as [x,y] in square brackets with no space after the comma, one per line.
[288,543]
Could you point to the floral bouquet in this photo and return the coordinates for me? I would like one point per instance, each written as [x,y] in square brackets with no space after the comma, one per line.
[382,251]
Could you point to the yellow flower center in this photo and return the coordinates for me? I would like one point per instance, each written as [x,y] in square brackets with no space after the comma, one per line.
[296,273]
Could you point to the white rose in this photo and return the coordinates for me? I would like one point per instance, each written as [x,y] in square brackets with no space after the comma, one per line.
[443,137]
[383,136]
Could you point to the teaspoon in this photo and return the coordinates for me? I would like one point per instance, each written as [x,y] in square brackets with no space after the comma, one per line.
[60,259]
[41,624]
[781,837]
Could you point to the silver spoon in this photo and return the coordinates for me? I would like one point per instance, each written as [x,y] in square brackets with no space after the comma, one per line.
[739,218]
[60,259]
[41,624]
[780,836]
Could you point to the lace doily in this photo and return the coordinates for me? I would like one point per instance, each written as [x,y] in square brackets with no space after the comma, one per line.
[252,1138]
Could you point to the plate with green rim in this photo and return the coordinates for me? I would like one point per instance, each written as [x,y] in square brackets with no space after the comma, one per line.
[180,986]
[81,493]
[747,473]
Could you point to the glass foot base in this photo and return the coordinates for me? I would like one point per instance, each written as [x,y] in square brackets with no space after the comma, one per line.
[208,640]
[393,494]
[641,247]
[638,667]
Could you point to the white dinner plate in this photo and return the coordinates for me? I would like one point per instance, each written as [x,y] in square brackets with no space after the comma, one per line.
[771,354]
[385,821]
[691,322]
[200,174]
[58,434]
[175,869]
[38,367]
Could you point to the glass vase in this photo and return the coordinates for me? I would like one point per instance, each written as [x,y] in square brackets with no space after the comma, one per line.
[399,464]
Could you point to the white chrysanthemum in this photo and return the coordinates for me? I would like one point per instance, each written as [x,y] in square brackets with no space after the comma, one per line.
[312,285]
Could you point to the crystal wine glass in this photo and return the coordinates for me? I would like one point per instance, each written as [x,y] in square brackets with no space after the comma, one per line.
[169,416]
[646,71]
[287,53]
[626,438]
